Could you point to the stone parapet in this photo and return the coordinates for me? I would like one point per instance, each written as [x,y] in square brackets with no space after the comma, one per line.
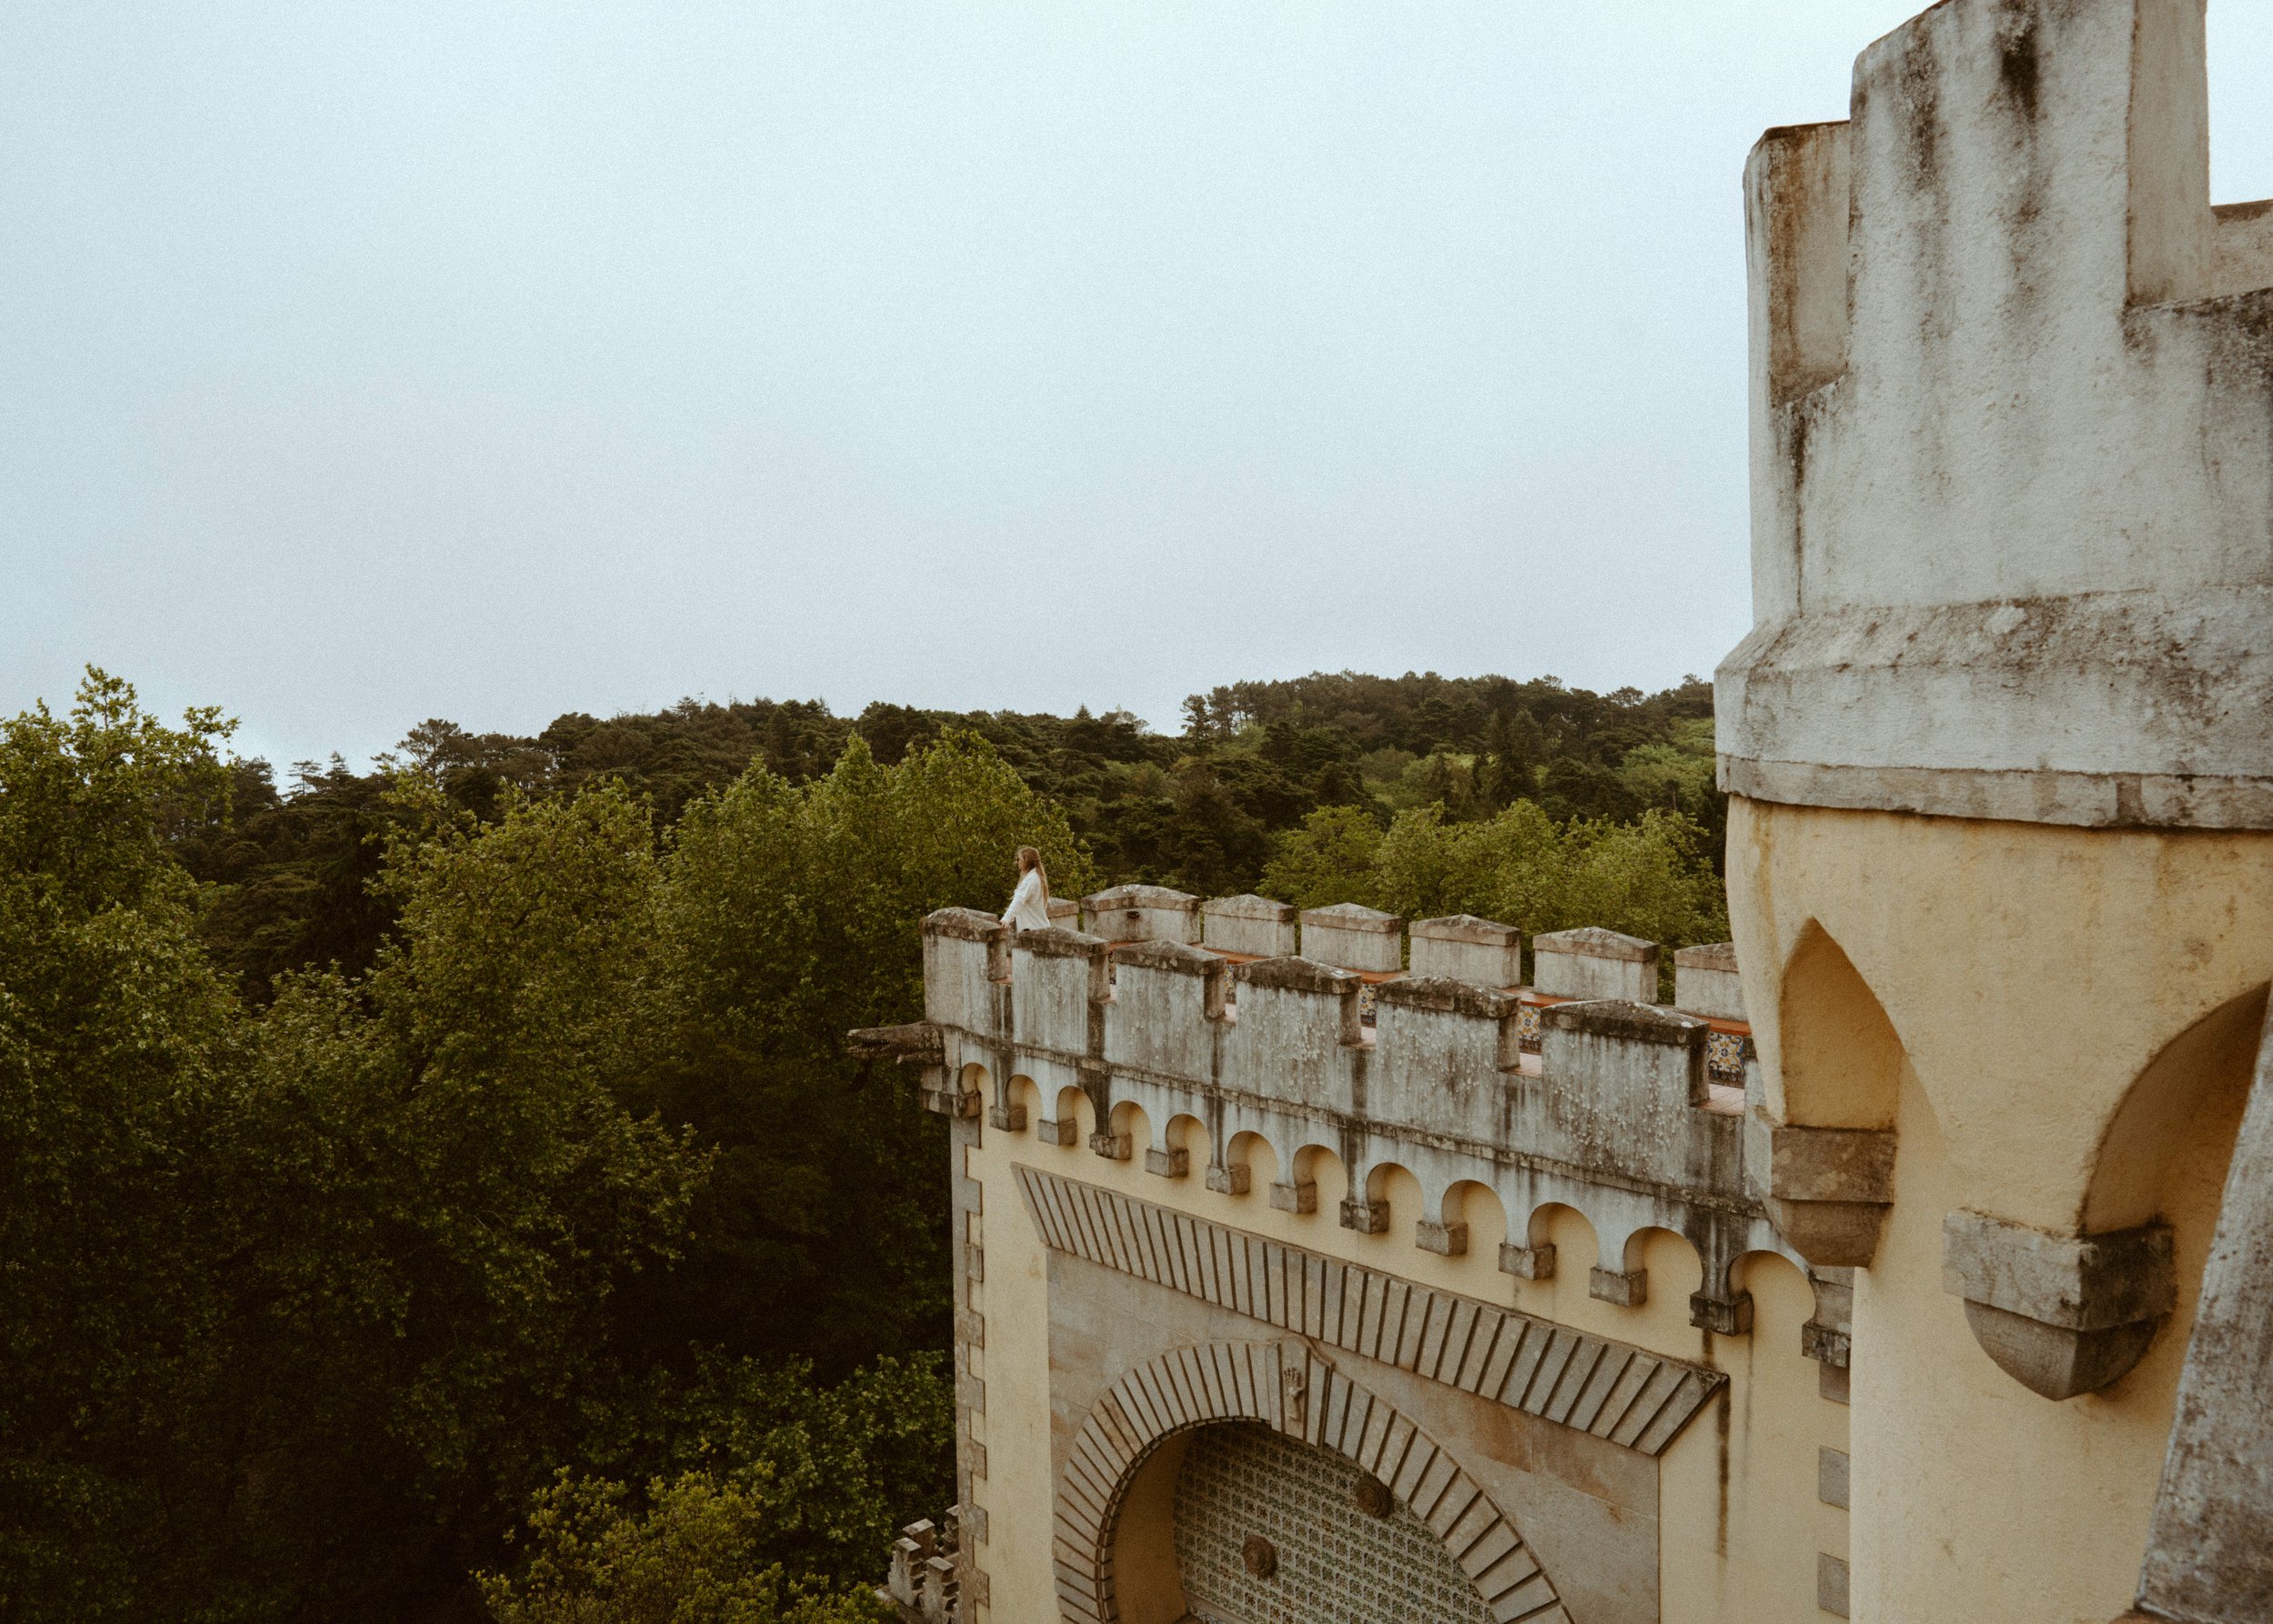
[1468,948]
[1253,927]
[1354,938]
[1705,981]
[1594,963]
[1141,914]
[1615,1116]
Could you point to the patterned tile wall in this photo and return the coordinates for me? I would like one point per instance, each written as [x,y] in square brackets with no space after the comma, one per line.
[1336,1564]
[1725,1054]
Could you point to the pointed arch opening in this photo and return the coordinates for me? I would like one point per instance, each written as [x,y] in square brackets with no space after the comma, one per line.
[1837,1054]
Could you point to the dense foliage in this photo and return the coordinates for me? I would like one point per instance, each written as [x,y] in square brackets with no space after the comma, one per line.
[441,1192]
[1652,878]
[308,1294]
[1207,811]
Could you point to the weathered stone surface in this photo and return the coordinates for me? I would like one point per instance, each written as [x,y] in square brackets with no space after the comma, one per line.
[964,924]
[1297,1198]
[1060,977]
[1723,1316]
[918,1043]
[1828,1337]
[1706,982]
[2060,1315]
[1354,938]
[1298,975]
[2081,1282]
[1831,1585]
[1446,1240]
[1827,1189]
[1467,948]
[1592,941]
[966,957]
[1629,1289]
[1142,914]
[1059,943]
[1177,957]
[1626,1081]
[1621,1018]
[1594,963]
[1249,924]
[1230,1181]
[1831,1476]
[1528,1263]
[1368,1218]
[1168,1164]
[2065,622]
[1441,995]
[2210,1551]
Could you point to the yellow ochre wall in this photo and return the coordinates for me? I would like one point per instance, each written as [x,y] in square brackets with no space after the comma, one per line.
[1741,1528]
[2075,1011]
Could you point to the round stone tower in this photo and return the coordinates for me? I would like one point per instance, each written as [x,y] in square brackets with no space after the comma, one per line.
[2000,753]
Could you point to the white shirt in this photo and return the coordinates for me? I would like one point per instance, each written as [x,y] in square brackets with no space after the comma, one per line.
[1028,909]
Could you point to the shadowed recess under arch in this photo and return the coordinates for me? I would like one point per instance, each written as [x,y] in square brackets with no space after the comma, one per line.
[1281,1385]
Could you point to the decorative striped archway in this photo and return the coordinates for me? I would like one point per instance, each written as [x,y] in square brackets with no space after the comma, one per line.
[1286,1387]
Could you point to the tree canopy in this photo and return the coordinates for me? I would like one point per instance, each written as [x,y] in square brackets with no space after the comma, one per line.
[311,1292]
[441,1192]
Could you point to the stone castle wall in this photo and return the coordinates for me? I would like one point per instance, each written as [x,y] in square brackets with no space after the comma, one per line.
[1909,1265]
[1515,1214]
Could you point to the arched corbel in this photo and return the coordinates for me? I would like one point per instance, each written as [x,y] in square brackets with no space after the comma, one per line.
[2068,1314]
[2061,1315]
[1825,1168]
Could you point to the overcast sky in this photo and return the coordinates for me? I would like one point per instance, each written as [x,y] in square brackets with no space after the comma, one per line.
[365,362]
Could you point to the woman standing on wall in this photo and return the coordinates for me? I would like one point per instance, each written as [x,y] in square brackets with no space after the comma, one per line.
[1029,906]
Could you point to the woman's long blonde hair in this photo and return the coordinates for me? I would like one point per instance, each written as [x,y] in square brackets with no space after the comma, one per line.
[1031,858]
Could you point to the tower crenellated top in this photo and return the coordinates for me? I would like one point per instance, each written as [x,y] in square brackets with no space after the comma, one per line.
[2012,435]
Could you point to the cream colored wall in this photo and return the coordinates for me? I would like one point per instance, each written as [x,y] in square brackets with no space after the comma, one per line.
[2033,974]
[1014,1299]
[1741,1523]
[2031,971]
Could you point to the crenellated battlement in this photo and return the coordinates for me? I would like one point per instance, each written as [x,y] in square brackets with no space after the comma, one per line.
[1564,1092]
[2012,435]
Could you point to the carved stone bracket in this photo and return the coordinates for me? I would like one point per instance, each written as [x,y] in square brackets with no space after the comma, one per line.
[1728,1316]
[1828,1337]
[918,1043]
[2061,1315]
[1826,1189]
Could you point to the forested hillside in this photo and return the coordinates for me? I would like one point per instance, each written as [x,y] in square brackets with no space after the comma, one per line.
[1208,810]
[441,1192]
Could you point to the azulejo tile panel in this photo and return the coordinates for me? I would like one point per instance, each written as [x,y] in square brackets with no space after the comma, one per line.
[1725,1055]
[1336,1564]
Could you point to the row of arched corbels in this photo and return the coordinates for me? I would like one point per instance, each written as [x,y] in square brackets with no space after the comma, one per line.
[1614,1118]
[1347,1172]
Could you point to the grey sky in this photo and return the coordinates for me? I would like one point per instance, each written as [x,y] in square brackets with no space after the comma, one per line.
[365,362]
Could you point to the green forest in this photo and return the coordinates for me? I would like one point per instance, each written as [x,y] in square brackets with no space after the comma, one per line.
[441,1192]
